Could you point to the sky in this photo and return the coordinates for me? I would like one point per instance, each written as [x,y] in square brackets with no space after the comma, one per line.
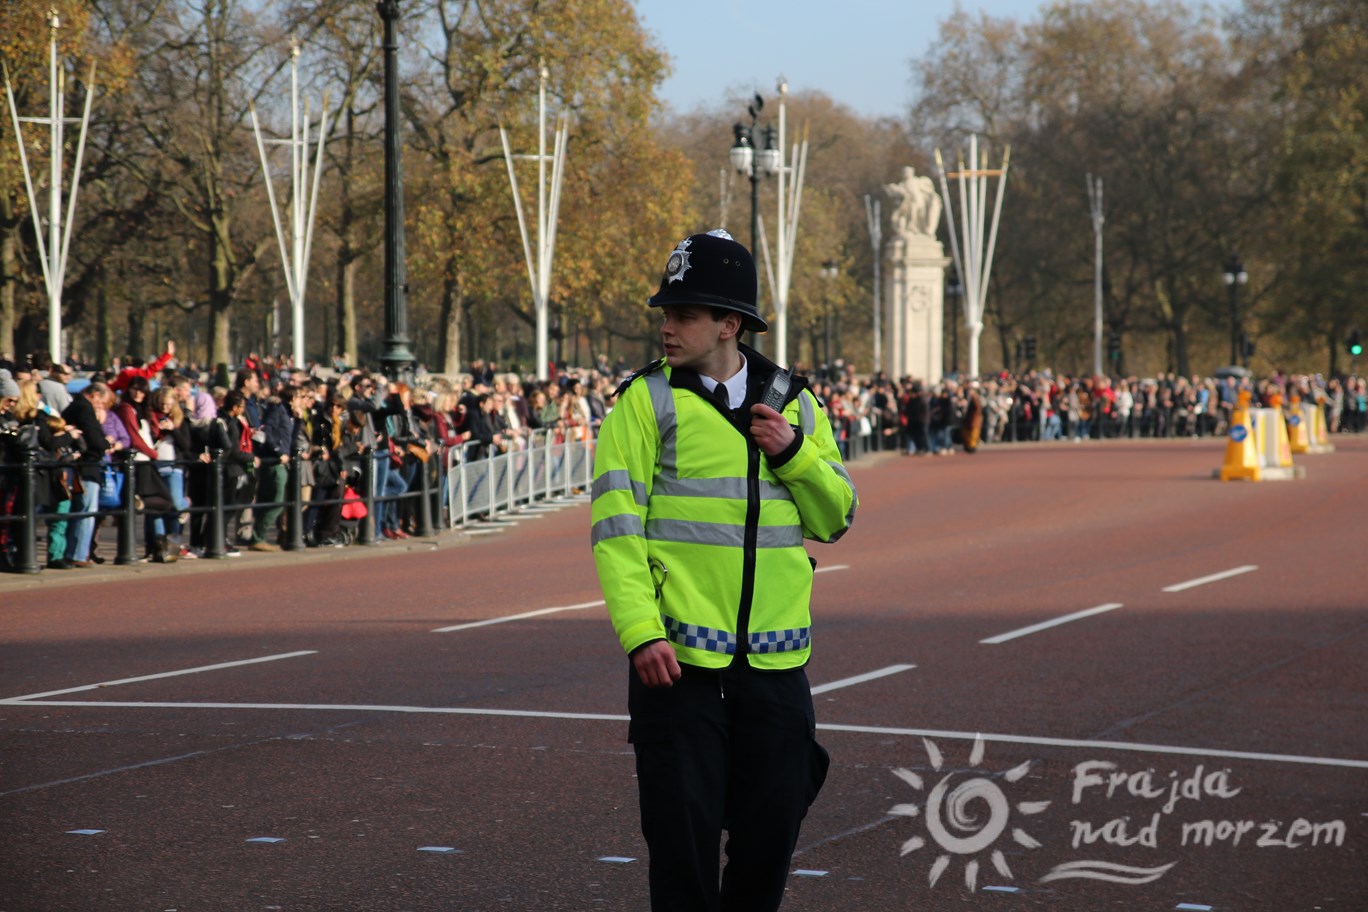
[856,51]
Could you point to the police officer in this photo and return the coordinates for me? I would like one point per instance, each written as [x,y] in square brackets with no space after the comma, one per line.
[702,497]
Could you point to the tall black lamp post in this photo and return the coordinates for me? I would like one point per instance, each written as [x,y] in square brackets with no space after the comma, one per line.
[829,273]
[756,163]
[1235,276]
[396,356]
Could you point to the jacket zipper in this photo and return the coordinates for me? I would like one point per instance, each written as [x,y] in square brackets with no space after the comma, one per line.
[748,552]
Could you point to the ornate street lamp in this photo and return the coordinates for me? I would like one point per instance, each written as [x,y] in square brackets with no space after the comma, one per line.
[396,356]
[755,163]
[1235,276]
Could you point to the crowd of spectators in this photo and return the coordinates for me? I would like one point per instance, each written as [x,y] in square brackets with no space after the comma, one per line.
[925,419]
[162,422]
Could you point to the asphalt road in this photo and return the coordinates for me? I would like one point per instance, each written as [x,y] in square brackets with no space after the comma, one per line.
[1068,677]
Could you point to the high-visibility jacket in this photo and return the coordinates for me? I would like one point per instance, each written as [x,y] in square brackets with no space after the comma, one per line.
[698,535]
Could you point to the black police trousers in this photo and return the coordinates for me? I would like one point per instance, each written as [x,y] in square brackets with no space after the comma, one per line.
[723,749]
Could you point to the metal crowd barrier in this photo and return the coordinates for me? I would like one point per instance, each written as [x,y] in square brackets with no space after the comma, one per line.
[482,489]
[24,478]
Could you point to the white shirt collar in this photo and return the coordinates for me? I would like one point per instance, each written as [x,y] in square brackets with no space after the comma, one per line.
[736,384]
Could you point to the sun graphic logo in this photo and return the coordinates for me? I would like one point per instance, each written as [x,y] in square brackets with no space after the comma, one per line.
[967,813]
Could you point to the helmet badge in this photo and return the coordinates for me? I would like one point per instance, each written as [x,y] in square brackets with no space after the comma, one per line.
[678,263]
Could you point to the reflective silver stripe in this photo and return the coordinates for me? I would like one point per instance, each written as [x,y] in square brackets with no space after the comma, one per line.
[619,480]
[726,535]
[779,537]
[781,640]
[616,527]
[730,488]
[806,420]
[841,473]
[662,401]
[698,637]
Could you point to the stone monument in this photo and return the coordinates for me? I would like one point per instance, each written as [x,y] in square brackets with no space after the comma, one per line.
[915,285]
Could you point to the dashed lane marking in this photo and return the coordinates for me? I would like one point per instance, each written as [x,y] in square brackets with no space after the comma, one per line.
[1046,625]
[860,679]
[164,674]
[1214,578]
[518,617]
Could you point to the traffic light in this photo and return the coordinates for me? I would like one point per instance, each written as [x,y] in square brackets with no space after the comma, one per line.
[1030,348]
[1114,346]
[1355,344]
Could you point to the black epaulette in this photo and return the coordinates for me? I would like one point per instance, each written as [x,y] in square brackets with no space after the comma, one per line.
[655,365]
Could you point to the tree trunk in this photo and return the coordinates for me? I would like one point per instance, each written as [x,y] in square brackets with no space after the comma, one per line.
[9,280]
[135,326]
[453,311]
[1180,349]
[103,355]
[222,275]
[346,304]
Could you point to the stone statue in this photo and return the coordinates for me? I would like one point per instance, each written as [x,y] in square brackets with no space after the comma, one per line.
[918,210]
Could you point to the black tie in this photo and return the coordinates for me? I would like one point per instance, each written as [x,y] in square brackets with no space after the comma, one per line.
[720,397]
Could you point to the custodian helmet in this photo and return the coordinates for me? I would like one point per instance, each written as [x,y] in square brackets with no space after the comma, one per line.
[715,271]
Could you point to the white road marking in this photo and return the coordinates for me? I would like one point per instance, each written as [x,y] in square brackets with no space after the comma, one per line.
[1097,745]
[340,707]
[824,726]
[518,617]
[164,674]
[1215,577]
[860,679]
[832,568]
[1045,625]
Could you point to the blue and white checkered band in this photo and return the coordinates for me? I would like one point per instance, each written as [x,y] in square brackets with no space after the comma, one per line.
[696,637]
[781,640]
[678,263]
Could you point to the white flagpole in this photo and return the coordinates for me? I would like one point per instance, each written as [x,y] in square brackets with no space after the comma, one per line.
[975,262]
[874,218]
[295,250]
[54,248]
[539,268]
[1095,207]
[781,242]
[76,171]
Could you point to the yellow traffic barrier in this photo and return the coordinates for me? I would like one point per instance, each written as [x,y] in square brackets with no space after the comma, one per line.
[1298,430]
[1313,414]
[1242,457]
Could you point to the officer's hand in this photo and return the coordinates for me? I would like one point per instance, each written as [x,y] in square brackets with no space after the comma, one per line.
[771,430]
[656,665]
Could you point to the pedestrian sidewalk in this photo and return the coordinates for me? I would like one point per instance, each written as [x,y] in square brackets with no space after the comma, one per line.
[248,560]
